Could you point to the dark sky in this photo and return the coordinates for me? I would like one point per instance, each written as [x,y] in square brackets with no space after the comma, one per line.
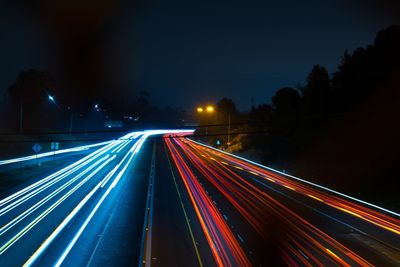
[183,52]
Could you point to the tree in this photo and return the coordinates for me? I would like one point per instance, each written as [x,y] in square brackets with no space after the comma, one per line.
[261,113]
[227,105]
[317,91]
[286,100]
[362,72]
[31,84]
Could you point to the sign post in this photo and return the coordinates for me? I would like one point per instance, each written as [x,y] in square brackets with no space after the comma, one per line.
[36,147]
[54,147]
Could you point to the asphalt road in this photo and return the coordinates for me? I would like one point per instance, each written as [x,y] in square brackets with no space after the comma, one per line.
[58,220]
[279,219]
[146,200]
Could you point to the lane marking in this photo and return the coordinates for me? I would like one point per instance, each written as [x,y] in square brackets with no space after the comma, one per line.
[184,210]
[240,238]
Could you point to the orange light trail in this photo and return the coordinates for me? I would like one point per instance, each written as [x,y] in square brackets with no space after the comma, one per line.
[257,207]
[362,212]
[225,248]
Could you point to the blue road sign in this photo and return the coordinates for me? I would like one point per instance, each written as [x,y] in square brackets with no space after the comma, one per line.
[36,147]
[54,145]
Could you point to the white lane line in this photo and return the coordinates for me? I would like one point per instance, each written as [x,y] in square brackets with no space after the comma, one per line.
[240,238]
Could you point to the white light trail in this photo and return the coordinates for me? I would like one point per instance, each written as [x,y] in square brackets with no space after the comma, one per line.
[135,148]
[48,154]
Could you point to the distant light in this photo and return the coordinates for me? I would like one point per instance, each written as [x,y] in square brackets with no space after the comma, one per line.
[51,98]
[200,109]
[96,106]
[210,109]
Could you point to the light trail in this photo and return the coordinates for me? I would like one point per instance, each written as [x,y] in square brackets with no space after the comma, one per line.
[82,179]
[328,196]
[132,152]
[75,211]
[63,171]
[69,169]
[45,183]
[222,242]
[52,153]
[47,198]
[41,216]
[257,207]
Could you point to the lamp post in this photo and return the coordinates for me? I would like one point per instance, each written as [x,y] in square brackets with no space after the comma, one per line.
[207,109]
[228,114]
[211,109]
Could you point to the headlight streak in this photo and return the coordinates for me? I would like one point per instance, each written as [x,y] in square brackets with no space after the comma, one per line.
[60,172]
[47,198]
[85,161]
[48,181]
[326,195]
[123,146]
[51,153]
[48,210]
[125,162]
[135,149]
[226,249]
[255,206]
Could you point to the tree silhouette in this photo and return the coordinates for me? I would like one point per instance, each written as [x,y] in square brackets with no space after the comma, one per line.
[286,100]
[227,105]
[317,91]
[31,84]
[361,72]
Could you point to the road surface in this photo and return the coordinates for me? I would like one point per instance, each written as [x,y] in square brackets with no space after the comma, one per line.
[148,199]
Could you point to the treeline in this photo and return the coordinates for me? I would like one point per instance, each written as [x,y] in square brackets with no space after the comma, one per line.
[298,116]
[36,103]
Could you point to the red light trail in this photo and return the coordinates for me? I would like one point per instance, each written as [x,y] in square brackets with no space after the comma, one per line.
[300,241]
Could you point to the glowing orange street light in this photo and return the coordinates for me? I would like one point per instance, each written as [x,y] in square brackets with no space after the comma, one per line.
[210,109]
[200,110]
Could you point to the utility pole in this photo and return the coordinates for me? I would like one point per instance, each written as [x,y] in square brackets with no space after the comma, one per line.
[229,129]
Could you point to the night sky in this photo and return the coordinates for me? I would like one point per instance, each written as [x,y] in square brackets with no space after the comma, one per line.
[183,52]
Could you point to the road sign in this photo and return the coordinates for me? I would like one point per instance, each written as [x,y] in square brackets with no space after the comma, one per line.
[36,147]
[54,145]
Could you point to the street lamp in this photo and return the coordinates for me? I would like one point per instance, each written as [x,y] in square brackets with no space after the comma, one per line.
[211,109]
[51,98]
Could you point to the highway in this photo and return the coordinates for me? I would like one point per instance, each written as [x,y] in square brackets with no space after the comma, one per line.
[15,163]
[159,198]
[59,219]
[254,215]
